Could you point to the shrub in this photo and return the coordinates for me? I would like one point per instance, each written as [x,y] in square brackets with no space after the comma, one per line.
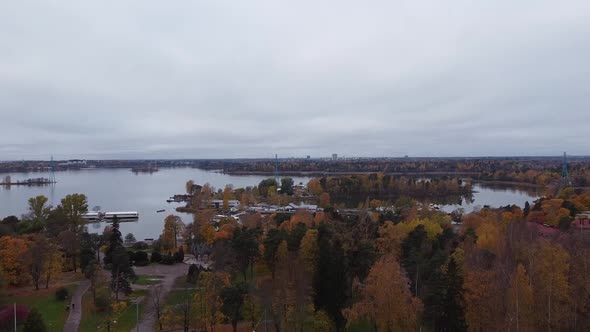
[179,255]
[193,273]
[140,258]
[140,245]
[168,260]
[61,294]
[156,257]
[103,301]
[34,322]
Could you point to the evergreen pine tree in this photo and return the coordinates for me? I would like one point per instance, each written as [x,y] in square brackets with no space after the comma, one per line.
[121,271]
[34,322]
[330,281]
[453,315]
[115,240]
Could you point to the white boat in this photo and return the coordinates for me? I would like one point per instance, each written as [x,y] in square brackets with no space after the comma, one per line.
[122,215]
[92,216]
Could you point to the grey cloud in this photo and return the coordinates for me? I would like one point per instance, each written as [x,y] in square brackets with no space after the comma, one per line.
[146,79]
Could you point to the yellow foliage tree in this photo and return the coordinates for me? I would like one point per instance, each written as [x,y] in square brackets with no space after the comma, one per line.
[386,299]
[520,302]
[13,264]
[551,284]
[314,186]
[309,250]
[227,196]
[390,239]
[207,301]
[488,235]
[173,227]
[324,200]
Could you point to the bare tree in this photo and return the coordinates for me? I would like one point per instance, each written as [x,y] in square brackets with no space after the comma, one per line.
[156,298]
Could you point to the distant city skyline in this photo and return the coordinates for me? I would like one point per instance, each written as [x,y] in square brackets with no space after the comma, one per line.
[226,79]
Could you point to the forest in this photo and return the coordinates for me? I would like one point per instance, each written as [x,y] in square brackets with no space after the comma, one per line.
[408,269]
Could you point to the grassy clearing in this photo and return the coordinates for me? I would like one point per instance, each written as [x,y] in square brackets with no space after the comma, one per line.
[181,282]
[180,290]
[148,280]
[361,325]
[53,311]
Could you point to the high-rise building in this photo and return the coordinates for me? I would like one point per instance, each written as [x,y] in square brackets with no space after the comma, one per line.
[334,156]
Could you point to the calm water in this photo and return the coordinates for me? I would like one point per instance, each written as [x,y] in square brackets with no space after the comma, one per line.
[122,190]
[496,196]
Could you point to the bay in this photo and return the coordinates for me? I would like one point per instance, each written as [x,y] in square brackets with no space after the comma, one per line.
[123,190]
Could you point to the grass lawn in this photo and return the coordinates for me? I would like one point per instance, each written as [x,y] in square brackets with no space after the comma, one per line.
[92,320]
[148,280]
[176,295]
[361,325]
[53,311]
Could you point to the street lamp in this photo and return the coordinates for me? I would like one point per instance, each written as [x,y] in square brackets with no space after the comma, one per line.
[136,301]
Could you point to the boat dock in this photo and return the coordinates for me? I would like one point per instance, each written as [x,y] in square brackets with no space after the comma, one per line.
[97,216]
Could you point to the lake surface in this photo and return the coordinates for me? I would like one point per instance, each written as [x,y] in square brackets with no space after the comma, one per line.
[123,190]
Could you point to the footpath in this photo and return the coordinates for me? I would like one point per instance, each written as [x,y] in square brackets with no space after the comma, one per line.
[73,321]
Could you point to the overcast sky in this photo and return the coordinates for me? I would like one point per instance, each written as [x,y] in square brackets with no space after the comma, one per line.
[208,79]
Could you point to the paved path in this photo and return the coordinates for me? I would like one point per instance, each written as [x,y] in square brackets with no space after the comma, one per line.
[73,321]
[170,273]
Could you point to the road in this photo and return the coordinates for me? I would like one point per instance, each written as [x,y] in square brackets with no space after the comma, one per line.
[170,273]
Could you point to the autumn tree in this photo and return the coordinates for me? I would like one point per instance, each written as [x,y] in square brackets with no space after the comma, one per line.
[189,186]
[13,264]
[520,314]
[309,251]
[53,262]
[207,300]
[390,239]
[314,186]
[325,200]
[38,254]
[227,196]
[385,299]
[550,281]
[173,227]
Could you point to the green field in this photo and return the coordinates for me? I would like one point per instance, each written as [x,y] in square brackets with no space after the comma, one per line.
[148,280]
[54,312]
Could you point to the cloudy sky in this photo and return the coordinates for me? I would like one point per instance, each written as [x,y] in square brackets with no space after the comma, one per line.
[207,79]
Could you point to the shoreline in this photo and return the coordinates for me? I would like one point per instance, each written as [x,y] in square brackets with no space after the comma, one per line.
[328,173]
